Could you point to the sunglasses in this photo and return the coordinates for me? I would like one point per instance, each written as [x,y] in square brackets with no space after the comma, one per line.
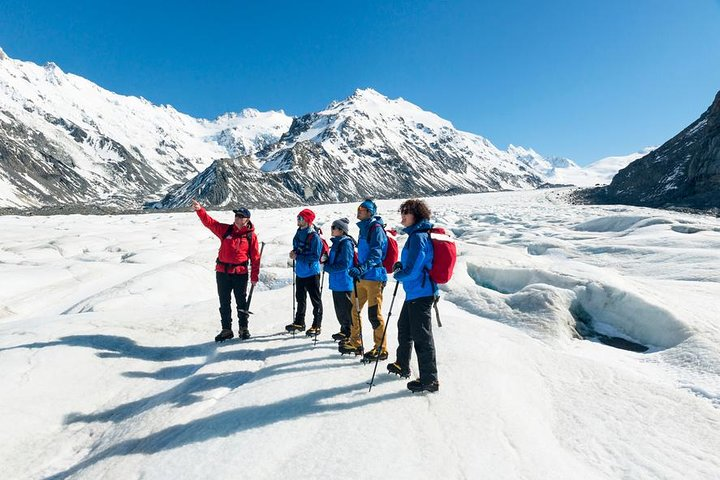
[405,211]
[239,215]
[300,218]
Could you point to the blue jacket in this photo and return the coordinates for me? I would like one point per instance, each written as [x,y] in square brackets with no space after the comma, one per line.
[308,250]
[416,258]
[372,247]
[339,262]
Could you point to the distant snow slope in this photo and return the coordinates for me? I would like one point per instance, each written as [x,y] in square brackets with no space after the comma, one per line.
[562,171]
[109,371]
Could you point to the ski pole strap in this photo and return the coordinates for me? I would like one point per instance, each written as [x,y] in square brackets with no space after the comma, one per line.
[437,311]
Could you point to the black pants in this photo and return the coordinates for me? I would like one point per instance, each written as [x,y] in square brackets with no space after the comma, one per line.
[310,285]
[237,284]
[343,310]
[415,326]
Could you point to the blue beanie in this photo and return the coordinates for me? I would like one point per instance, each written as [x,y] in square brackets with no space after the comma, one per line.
[243,212]
[370,205]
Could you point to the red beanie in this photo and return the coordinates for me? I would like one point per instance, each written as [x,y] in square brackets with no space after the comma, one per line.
[307,215]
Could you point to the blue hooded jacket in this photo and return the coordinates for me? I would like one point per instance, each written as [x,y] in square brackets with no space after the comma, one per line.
[372,247]
[339,262]
[417,258]
[308,250]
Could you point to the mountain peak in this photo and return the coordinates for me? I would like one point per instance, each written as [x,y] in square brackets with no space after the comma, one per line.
[53,73]
[714,108]
[368,93]
[361,96]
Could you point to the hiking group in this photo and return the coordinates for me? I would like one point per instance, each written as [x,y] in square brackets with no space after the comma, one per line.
[358,272]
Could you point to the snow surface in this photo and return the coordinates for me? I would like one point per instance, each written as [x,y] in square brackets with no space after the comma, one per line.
[108,369]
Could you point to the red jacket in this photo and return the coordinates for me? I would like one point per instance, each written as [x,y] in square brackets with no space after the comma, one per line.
[237,249]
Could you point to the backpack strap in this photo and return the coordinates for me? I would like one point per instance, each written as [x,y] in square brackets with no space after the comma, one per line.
[308,238]
[426,272]
[227,266]
[306,246]
[373,225]
[351,239]
[247,234]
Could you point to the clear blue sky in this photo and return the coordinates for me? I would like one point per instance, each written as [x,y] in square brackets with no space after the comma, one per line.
[580,79]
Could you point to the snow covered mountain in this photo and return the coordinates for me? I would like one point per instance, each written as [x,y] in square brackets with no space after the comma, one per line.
[563,171]
[603,170]
[545,165]
[683,172]
[65,140]
[365,145]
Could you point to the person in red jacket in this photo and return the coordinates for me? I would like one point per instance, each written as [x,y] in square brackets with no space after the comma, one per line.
[238,250]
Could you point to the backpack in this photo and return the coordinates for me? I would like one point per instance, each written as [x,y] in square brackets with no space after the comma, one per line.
[444,255]
[391,255]
[228,233]
[325,250]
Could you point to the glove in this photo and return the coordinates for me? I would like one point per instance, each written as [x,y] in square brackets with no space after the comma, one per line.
[355,272]
[397,267]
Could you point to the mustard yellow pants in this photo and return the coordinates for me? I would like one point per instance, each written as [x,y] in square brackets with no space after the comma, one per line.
[370,292]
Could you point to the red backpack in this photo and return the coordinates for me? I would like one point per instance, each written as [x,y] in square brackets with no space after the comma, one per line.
[444,255]
[391,255]
[356,262]
[325,250]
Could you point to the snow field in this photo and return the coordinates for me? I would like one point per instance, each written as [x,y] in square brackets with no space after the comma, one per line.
[108,368]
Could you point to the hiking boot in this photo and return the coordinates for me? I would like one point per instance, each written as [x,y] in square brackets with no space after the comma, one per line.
[347,347]
[374,354]
[225,334]
[415,386]
[396,369]
[313,332]
[339,337]
[244,334]
[295,327]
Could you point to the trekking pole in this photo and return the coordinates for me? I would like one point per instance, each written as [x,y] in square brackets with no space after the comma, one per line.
[322,277]
[387,321]
[357,309]
[293,294]
[252,287]
[437,312]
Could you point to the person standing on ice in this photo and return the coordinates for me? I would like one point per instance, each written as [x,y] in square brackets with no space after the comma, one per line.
[238,250]
[306,252]
[339,262]
[415,321]
[370,278]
